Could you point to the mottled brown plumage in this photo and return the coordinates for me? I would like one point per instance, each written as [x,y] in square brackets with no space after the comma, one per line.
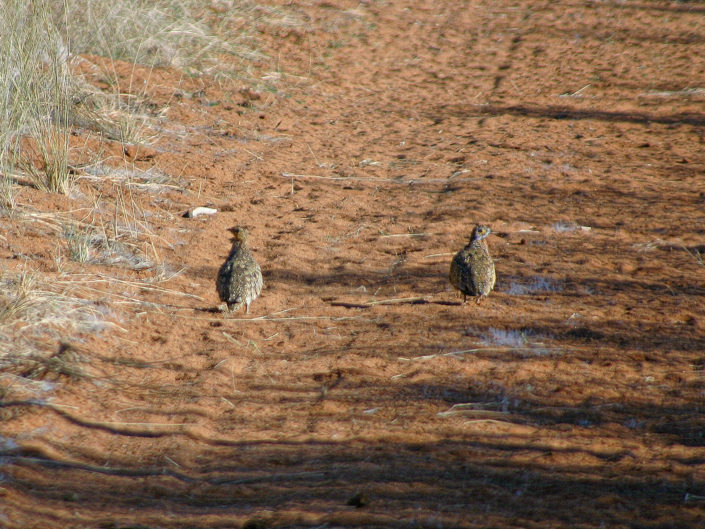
[472,269]
[240,278]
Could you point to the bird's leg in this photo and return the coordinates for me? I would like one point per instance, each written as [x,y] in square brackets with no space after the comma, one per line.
[465,298]
[247,310]
[478,300]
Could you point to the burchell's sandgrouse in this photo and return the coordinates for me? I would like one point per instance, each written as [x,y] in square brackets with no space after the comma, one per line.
[472,268]
[240,278]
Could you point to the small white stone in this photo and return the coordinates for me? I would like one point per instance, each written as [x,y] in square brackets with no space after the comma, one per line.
[200,210]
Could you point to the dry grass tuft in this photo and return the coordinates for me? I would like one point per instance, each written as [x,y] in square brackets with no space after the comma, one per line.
[34,315]
[189,35]
[8,195]
[35,88]
[49,92]
[152,180]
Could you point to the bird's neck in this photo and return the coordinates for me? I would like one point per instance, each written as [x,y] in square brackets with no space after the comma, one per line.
[237,247]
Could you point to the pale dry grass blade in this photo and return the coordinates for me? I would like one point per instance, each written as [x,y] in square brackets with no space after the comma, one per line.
[188,35]
[35,316]
[35,88]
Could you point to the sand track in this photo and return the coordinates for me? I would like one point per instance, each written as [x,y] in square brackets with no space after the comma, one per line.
[572,397]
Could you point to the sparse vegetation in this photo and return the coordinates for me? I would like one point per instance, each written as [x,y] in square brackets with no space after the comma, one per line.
[8,195]
[696,254]
[188,35]
[35,90]
[49,91]
[78,242]
[33,311]
[532,285]
[43,98]
[571,397]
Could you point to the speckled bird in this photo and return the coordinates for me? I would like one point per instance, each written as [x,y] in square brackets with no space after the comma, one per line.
[240,278]
[472,269]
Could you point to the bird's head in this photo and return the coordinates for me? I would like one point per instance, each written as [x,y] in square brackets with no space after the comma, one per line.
[239,234]
[480,232]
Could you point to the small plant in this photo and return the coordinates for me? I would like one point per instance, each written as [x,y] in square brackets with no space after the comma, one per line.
[17,299]
[564,226]
[8,194]
[47,161]
[533,285]
[79,244]
[35,312]
[182,34]
[696,254]
[506,337]
[35,86]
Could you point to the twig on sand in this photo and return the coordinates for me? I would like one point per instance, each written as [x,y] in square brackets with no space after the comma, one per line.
[403,235]
[260,319]
[367,304]
[471,408]
[230,338]
[458,353]
[83,282]
[330,318]
[283,311]
[371,180]
[394,301]
[692,497]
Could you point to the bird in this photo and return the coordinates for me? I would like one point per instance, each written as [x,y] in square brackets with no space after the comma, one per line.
[472,268]
[240,277]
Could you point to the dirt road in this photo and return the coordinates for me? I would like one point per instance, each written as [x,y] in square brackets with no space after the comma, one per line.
[360,391]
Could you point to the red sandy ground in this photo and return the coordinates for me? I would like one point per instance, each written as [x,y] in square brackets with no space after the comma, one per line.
[574,129]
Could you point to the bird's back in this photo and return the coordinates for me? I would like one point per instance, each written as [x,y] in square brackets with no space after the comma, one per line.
[472,270]
[240,277]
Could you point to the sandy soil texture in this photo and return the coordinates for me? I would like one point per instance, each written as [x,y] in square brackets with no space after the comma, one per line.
[360,390]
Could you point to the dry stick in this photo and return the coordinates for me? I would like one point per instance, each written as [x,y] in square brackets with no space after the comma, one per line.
[266,318]
[153,288]
[331,318]
[488,420]
[403,235]
[278,312]
[471,408]
[454,353]
[141,286]
[377,180]
[577,92]
[364,305]
[146,424]
[692,497]
[170,460]
[393,301]
[254,155]
[128,300]
[487,413]
[314,155]
[230,338]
